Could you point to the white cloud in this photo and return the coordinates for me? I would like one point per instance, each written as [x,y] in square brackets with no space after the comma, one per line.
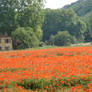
[57,3]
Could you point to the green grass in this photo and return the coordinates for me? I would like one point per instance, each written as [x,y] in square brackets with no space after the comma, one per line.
[44,47]
[50,46]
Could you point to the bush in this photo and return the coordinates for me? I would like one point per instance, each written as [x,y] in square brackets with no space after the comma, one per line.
[74,40]
[62,38]
[42,44]
[25,38]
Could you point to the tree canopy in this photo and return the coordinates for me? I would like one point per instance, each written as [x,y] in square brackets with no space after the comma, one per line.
[22,18]
[64,19]
[83,8]
[62,38]
[15,13]
[24,37]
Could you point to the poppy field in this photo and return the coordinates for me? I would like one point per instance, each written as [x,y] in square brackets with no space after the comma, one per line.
[47,70]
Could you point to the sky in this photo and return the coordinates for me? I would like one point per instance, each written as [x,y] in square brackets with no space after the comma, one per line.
[54,4]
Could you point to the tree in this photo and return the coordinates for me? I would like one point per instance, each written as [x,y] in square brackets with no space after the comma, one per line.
[62,38]
[63,20]
[83,8]
[51,40]
[12,10]
[50,23]
[25,38]
[31,17]
[7,14]
[25,15]
[88,33]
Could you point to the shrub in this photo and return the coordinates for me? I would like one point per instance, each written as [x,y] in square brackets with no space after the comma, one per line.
[25,38]
[62,38]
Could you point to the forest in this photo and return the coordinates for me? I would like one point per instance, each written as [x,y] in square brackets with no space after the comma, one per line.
[31,25]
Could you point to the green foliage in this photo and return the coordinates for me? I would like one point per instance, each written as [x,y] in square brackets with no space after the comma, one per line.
[33,84]
[22,13]
[88,33]
[83,8]
[53,84]
[46,84]
[7,14]
[51,40]
[62,38]
[64,19]
[78,22]
[26,37]
[74,40]
[42,44]
[31,17]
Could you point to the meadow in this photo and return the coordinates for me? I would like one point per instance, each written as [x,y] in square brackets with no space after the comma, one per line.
[47,70]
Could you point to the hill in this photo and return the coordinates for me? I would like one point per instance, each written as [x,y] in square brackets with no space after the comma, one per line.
[82,7]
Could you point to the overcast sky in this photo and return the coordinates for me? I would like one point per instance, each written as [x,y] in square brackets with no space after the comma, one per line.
[54,4]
